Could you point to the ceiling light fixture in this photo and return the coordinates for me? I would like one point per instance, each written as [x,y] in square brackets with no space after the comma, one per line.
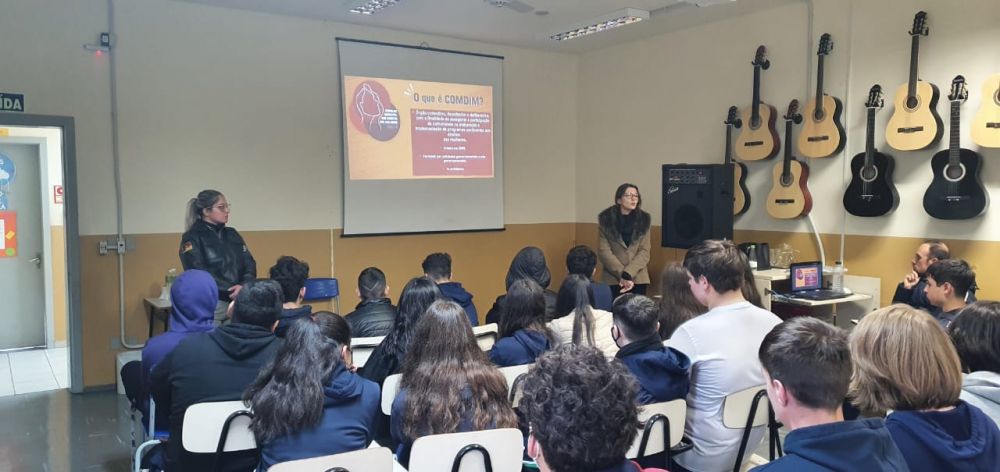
[625,16]
[373,6]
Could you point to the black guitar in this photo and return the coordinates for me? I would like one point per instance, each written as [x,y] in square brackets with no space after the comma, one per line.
[741,196]
[957,192]
[871,192]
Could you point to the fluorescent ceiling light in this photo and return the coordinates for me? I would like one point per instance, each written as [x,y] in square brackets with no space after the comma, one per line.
[625,16]
[373,6]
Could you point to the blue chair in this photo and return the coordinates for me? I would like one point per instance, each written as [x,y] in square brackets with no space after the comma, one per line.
[322,289]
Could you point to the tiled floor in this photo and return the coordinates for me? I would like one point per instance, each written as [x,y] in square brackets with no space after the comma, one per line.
[36,370]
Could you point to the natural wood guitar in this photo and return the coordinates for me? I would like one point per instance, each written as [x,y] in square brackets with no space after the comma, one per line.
[789,196]
[871,191]
[822,133]
[915,123]
[741,197]
[759,139]
[986,124]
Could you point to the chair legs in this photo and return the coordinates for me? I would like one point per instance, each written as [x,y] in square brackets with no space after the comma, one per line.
[747,429]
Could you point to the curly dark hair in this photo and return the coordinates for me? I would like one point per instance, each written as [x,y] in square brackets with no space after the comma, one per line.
[291,274]
[581,408]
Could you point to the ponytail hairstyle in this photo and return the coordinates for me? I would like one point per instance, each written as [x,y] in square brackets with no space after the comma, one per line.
[524,308]
[287,396]
[196,206]
[577,297]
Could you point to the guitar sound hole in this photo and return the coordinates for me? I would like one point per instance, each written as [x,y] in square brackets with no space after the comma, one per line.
[786,180]
[868,174]
[912,102]
[954,173]
[754,123]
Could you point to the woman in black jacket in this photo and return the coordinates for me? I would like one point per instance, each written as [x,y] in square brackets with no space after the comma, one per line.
[209,245]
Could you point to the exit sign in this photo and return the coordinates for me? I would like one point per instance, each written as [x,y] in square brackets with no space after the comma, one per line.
[11,102]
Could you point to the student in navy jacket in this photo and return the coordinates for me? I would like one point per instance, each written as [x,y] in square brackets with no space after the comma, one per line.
[308,402]
[291,274]
[448,385]
[807,369]
[905,362]
[662,371]
[437,267]
[523,333]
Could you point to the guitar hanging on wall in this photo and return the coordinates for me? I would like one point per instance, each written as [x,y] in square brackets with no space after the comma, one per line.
[741,197]
[986,125]
[822,133]
[956,193]
[915,123]
[789,196]
[871,191]
[759,139]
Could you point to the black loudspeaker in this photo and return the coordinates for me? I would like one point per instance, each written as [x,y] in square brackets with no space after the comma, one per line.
[697,204]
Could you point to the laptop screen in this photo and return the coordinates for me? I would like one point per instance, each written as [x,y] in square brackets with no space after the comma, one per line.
[806,276]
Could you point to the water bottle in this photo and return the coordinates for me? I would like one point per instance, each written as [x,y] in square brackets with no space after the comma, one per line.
[838,277]
[168,281]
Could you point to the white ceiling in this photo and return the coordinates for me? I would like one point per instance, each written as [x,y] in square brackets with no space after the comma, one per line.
[479,21]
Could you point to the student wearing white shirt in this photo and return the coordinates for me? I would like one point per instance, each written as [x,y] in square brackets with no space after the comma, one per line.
[722,345]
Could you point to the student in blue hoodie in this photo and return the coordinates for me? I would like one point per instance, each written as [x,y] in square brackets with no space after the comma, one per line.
[905,362]
[291,274]
[523,333]
[662,371]
[308,403]
[437,267]
[807,368]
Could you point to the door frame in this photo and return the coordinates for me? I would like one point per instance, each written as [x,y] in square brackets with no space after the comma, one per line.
[72,225]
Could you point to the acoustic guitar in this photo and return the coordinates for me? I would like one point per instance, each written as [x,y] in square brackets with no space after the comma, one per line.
[741,197]
[822,133]
[789,196]
[871,191]
[956,193]
[986,125]
[759,139]
[915,123]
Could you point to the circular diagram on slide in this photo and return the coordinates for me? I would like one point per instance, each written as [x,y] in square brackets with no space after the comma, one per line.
[372,111]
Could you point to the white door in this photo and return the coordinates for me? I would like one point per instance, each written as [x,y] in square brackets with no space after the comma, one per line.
[22,287]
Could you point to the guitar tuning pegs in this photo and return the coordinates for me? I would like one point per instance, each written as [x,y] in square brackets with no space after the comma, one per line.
[766,65]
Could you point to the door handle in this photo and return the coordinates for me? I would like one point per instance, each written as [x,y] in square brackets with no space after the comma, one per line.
[37,260]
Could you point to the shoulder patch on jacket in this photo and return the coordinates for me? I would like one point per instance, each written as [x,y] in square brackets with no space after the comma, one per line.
[188,247]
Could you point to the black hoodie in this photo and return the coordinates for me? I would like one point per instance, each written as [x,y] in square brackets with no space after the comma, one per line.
[214,366]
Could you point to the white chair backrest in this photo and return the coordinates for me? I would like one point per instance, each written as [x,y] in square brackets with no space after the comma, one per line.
[486,335]
[511,374]
[362,348]
[675,411]
[389,390]
[203,427]
[436,453]
[736,408]
[376,459]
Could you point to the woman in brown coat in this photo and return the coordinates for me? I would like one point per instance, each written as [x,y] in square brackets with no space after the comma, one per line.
[623,242]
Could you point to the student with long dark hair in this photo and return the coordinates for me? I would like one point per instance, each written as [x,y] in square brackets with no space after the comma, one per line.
[976,334]
[528,263]
[448,385]
[387,359]
[577,321]
[523,334]
[677,303]
[307,403]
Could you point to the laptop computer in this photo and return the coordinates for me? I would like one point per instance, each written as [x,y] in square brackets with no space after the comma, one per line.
[806,280]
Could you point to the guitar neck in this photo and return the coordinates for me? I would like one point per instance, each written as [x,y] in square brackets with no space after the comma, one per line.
[755,115]
[870,138]
[819,87]
[954,142]
[729,144]
[911,85]
[786,165]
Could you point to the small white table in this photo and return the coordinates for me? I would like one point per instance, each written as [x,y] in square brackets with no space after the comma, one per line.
[157,308]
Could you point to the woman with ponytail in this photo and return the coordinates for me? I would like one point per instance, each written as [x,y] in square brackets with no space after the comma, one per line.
[308,402]
[209,245]
[577,321]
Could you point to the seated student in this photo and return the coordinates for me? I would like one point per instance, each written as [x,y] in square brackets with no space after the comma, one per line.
[523,334]
[911,290]
[662,371]
[437,267]
[722,345]
[949,283]
[218,366]
[291,274]
[677,303]
[375,315]
[307,403]
[976,334]
[581,260]
[581,412]
[448,385]
[578,321]
[904,361]
[807,368]
[388,356]
[529,263]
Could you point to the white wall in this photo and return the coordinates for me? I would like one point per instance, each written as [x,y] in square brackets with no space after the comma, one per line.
[663,100]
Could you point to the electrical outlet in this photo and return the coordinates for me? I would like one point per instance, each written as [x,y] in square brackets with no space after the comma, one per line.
[102,248]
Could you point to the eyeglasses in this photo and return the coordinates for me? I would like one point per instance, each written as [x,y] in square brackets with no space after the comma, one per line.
[223,208]
[630,195]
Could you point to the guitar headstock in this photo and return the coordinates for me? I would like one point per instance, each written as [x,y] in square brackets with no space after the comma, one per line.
[919,24]
[875,97]
[793,114]
[733,118]
[958,91]
[760,58]
[825,45]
